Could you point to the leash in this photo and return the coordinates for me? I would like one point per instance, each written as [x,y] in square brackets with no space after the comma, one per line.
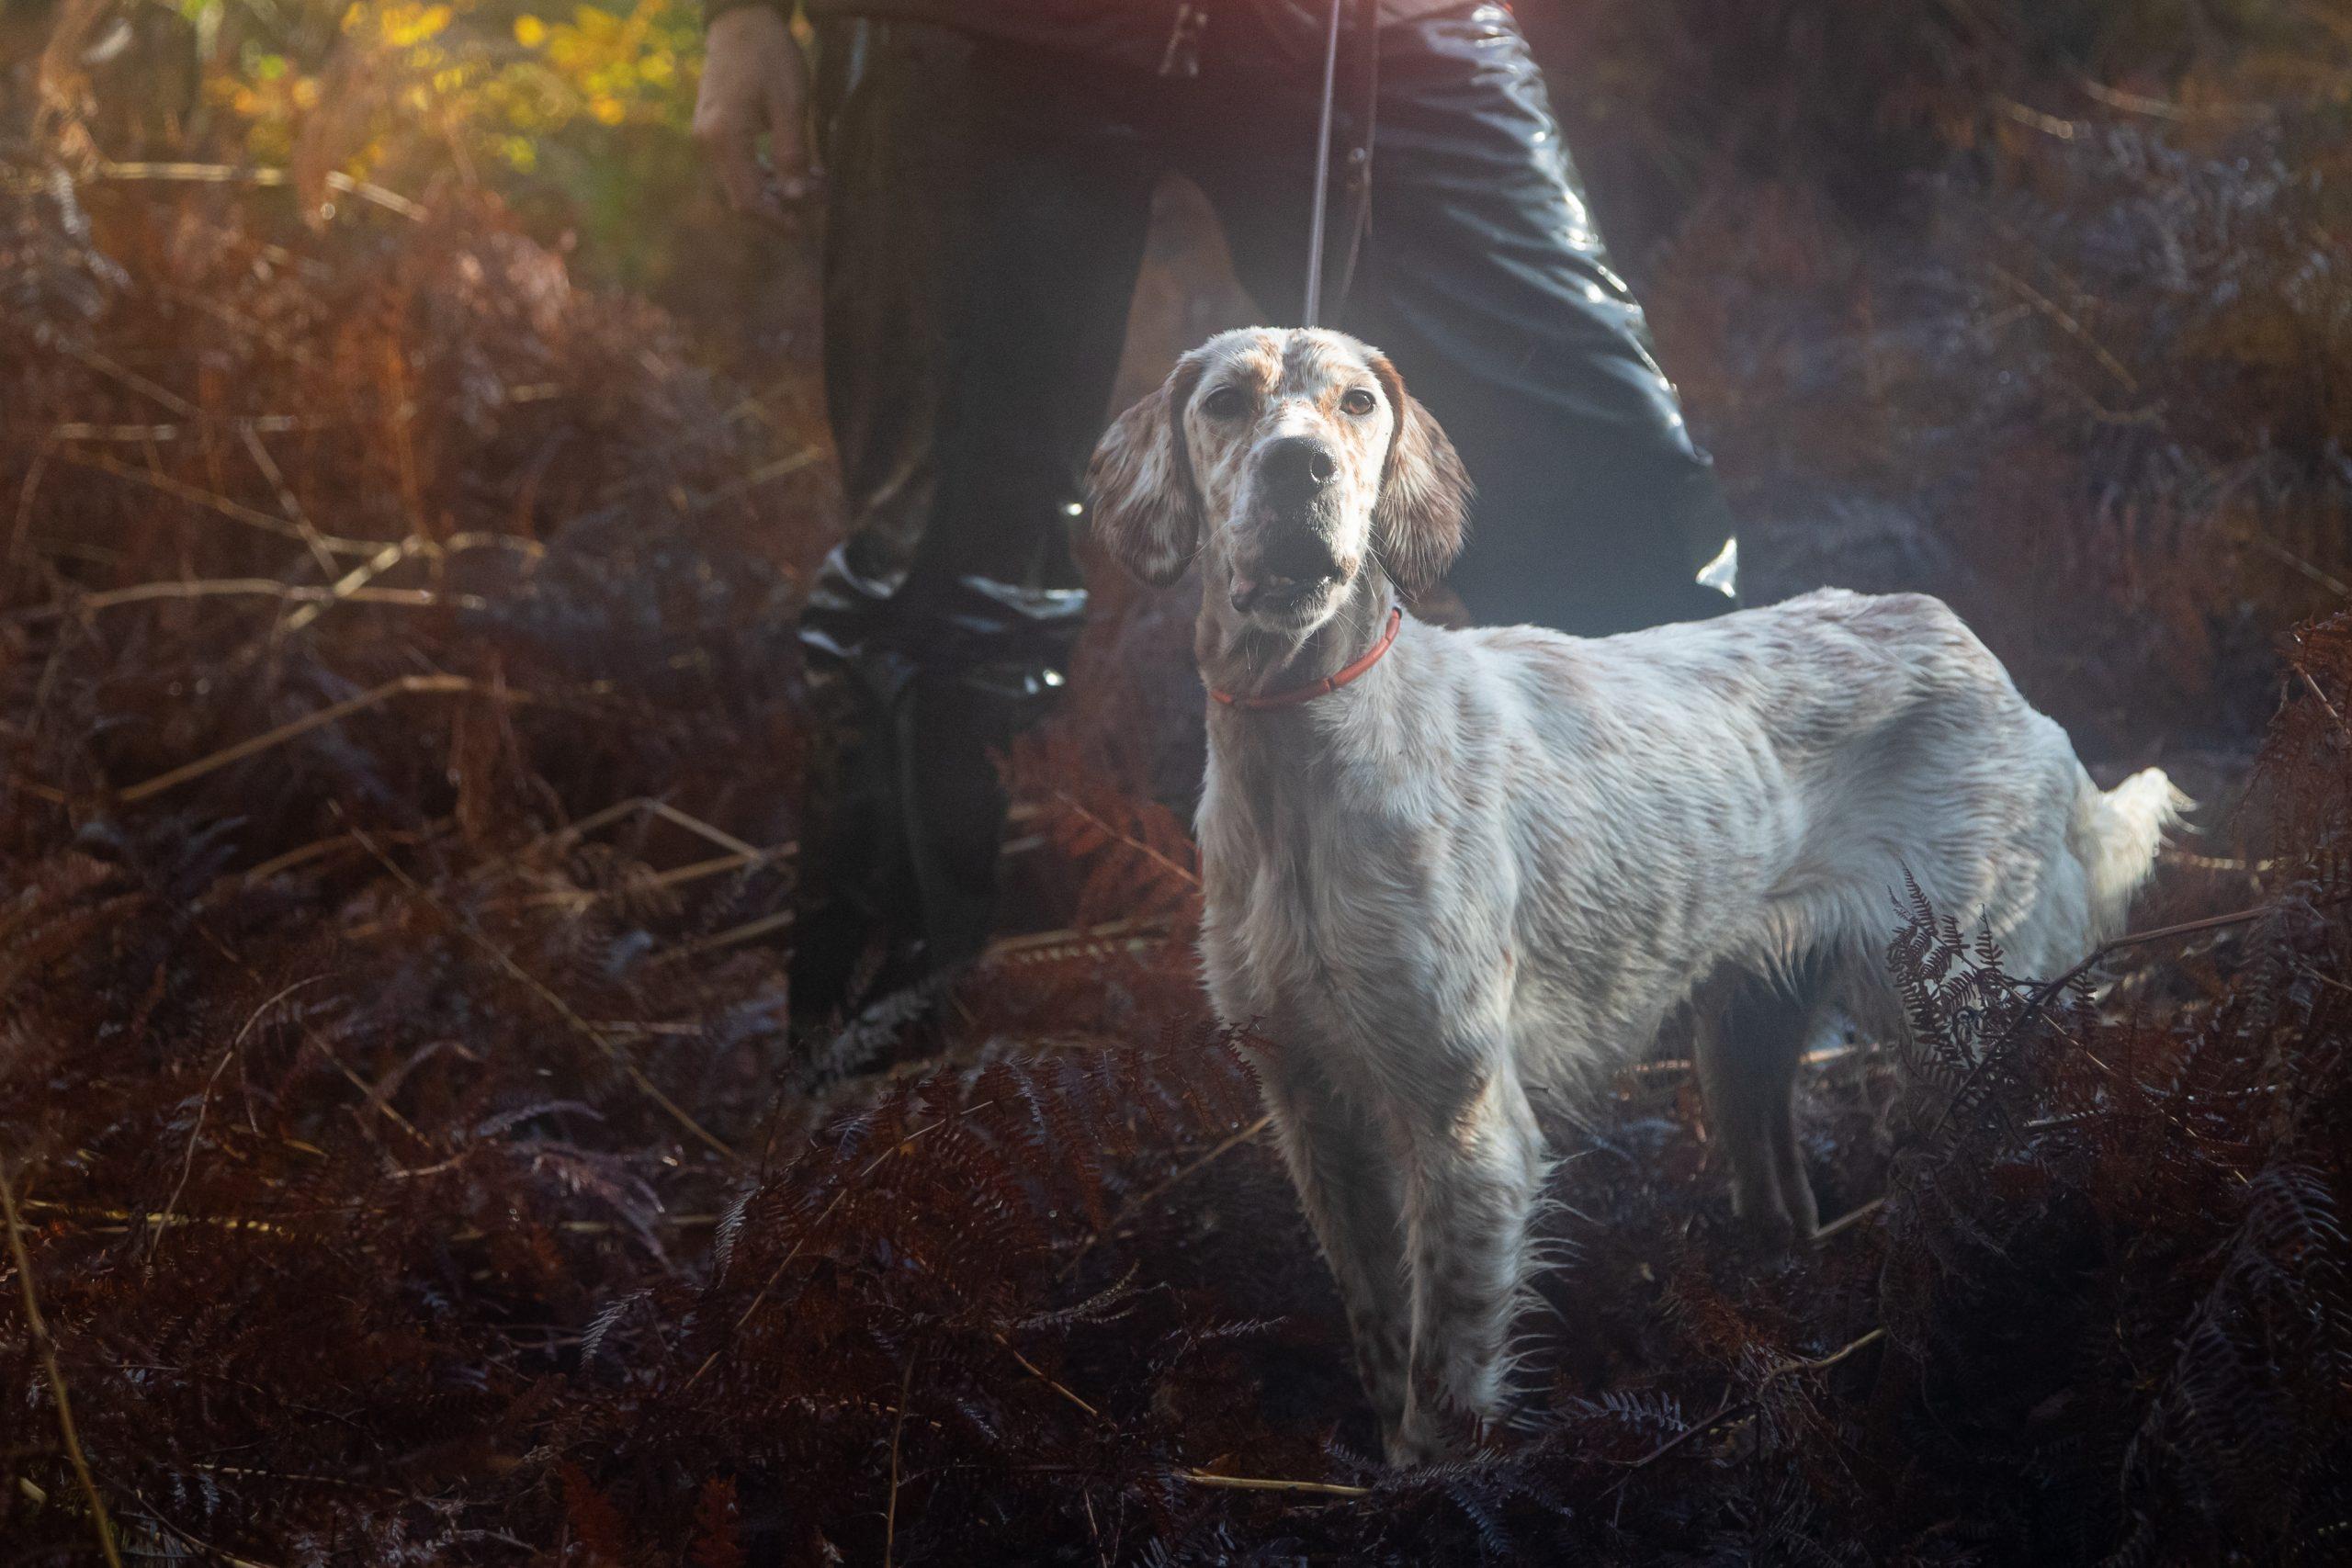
[1181,58]
[1326,685]
[1322,168]
[1359,156]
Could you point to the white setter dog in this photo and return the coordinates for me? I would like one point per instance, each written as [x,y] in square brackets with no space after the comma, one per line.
[1442,867]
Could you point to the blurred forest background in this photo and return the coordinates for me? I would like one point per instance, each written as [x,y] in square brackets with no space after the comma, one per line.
[408,471]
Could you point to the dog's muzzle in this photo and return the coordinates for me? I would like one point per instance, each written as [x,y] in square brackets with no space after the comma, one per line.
[1294,558]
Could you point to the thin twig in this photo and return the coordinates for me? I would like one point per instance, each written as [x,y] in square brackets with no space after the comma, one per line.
[1046,947]
[2162,108]
[1042,1376]
[110,1222]
[2033,119]
[764,474]
[352,583]
[128,378]
[25,494]
[898,1426]
[1847,1219]
[38,1329]
[252,517]
[639,805]
[227,174]
[140,434]
[2068,324]
[1822,1363]
[1183,874]
[187,1160]
[349,584]
[244,588]
[677,876]
[319,849]
[2330,706]
[563,1009]
[1263,1484]
[229,1558]
[117,1222]
[2233,864]
[372,1094]
[695,825]
[406,686]
[1138,1203]
[747,931]
[2297,564]
[1729,1407]
[1735,1407]
[760,1296]
[288,501]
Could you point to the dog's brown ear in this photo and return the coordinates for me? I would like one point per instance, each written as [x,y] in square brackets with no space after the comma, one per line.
[1423,513]
[1139,484]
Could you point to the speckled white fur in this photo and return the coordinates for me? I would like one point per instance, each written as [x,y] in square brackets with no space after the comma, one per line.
[1503,857]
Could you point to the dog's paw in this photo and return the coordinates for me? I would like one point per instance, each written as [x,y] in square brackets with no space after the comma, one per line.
[1416,1443]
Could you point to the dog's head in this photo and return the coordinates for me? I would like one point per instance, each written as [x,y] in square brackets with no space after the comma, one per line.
[1288,460]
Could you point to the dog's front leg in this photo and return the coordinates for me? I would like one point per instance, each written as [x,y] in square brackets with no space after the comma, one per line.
[1474,1174]
[1345,1166]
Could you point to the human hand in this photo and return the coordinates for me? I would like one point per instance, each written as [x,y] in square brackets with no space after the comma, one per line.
[753,79]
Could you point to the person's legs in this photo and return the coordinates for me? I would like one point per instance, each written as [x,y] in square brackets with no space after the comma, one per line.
[1483,277]
[987,218]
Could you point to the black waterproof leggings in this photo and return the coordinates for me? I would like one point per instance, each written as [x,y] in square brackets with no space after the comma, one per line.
[990,208]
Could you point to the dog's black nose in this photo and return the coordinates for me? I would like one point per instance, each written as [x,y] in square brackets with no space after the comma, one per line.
[1298,467]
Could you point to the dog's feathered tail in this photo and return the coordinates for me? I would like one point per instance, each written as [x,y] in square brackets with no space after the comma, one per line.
[2116,834]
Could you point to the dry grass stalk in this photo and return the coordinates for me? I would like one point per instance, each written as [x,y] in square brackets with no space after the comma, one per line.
[1182,874]
[766,473]
[2066,322]
[320,849]
[406,686]
[252,517]
[1142,1200]
[1848,1220]
[229,173]
[249,588]
[1043,1376]
[611,1048]
[141,434]
[749,930]
[1263,1484]
[1069,942]
[37,1328]
[898,1426]
[760,1296]
[204,1105]
[1732,1409]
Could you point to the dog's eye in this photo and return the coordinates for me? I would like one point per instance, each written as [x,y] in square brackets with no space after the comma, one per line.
[1359,402]
[1226,402]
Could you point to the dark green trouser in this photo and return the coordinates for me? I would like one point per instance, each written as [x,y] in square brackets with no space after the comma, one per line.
[988,215]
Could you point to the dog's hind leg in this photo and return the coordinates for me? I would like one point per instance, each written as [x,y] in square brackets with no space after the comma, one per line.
[1750,1037]
[1345,1166]
[1472,1179]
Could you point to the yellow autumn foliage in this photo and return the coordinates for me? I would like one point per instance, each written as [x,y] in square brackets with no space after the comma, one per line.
[476,77]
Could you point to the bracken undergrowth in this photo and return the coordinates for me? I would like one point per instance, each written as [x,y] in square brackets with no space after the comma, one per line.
[400,722]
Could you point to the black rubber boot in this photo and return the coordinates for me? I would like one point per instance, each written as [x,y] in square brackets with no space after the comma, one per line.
[903,812]
[855,902]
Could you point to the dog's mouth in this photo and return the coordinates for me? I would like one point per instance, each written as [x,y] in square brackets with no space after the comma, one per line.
[1298,570]
[1274,593]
